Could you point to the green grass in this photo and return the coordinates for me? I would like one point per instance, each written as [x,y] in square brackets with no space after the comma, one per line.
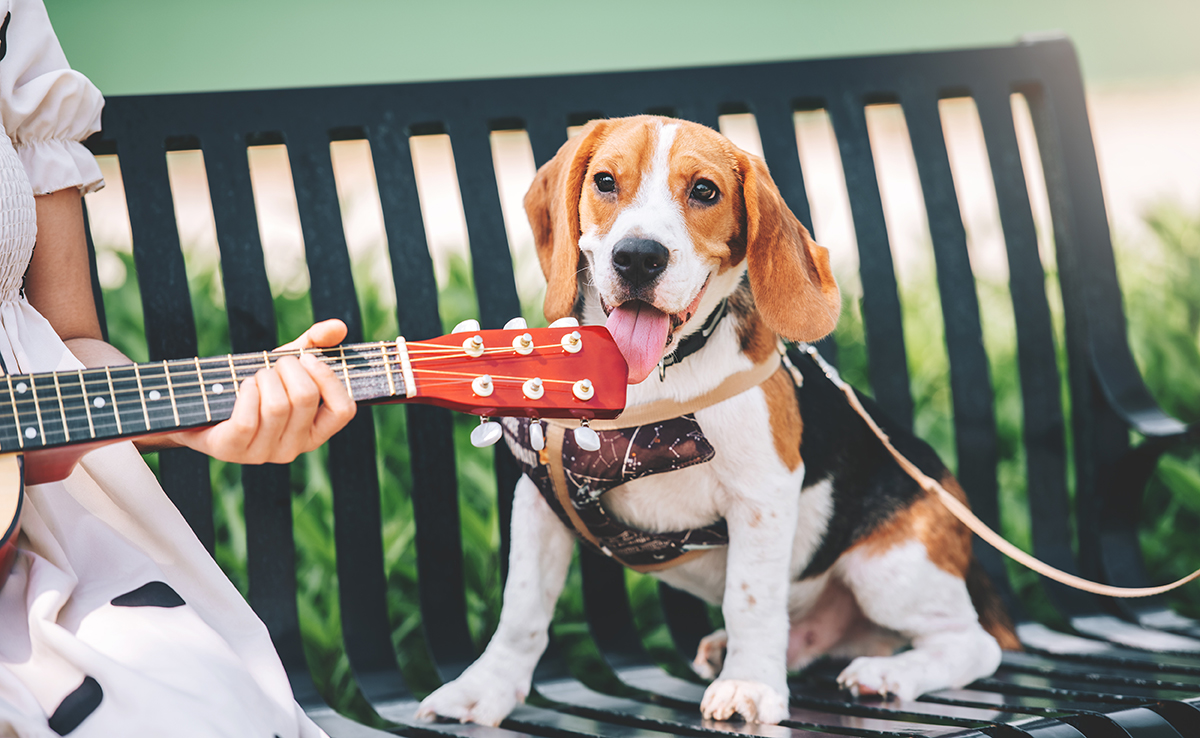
[1161,283]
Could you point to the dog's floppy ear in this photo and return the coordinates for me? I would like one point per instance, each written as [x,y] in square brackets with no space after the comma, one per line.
[793,285]
[552,205]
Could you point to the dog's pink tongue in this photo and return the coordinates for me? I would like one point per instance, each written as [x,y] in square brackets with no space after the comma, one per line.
[640,331]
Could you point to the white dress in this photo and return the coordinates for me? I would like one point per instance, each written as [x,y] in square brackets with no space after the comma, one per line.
[179,652]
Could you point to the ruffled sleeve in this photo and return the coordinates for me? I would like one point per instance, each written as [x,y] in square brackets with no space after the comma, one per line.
[46,107]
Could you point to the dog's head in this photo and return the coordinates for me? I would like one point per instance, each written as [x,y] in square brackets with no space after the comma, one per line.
[669,215]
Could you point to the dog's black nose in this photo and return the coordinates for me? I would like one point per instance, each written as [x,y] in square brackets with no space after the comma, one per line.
[639,261]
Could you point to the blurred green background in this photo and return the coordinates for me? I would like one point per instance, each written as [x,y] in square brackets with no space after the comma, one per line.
[142,46]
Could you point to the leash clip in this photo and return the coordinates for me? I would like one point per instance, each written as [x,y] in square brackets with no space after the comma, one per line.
[826,367]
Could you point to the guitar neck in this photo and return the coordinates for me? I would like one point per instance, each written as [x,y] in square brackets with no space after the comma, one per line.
[63,408]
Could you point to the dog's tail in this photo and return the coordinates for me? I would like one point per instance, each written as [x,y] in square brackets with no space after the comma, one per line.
[992,615]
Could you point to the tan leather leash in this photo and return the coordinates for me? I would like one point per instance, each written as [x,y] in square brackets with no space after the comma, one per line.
[968,518]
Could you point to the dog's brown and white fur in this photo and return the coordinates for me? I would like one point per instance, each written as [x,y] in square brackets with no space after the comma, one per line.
[832,549]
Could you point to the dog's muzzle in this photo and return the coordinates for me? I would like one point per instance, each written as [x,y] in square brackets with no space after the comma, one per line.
[639,261]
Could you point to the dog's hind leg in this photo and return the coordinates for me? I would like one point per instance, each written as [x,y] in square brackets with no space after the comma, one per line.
[537,569]
[710,654]
[902,590]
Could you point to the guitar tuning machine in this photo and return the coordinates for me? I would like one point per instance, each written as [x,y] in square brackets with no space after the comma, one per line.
[537,435]
[586,438]
[516,324]
[466,326]
[584,390]
[473,346]
[486,433]
[483,385]
[565,323]
[572,342]
[533,388]
[523,344]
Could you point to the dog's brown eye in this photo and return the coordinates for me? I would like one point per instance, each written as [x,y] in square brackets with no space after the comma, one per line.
[704,191]
[605,182]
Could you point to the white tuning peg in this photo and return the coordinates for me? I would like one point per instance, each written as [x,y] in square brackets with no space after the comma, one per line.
[516,324]
[486,434]
[537,437]
[565,323]
[466,326]
[587,438]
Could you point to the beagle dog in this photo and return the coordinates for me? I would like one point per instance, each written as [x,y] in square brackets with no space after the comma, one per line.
[776,503]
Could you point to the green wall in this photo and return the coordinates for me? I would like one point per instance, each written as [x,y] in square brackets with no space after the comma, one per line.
[146,46]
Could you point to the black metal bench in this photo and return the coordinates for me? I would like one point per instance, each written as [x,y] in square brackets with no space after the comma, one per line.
[1113,690]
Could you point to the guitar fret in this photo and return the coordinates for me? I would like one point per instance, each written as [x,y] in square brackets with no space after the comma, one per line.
[7,443]
[346,375]
[129,399]
[237,386]
[387,368]
[16,418]
[186,393]
[155,397]
[70,398]
[171,391]
[37,408]
[137,374]
[203,391]
[87,404]
[112,393]
[61,409]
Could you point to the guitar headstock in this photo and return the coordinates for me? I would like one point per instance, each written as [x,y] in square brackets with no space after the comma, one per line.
[563,372]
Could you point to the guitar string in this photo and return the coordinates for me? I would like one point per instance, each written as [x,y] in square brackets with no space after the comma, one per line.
[245,362]
[447,378]
[125,399]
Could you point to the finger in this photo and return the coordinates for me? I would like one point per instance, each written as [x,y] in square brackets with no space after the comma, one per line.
[321,335]
[229,439]
[304,398]
[337,407]
[274,408]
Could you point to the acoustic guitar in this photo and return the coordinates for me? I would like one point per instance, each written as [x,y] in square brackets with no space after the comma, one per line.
[49,420]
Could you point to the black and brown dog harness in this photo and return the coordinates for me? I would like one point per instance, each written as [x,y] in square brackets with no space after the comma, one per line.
[573,486]
[648,439]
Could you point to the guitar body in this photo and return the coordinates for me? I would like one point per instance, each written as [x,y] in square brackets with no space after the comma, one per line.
[49,420]
[12,497]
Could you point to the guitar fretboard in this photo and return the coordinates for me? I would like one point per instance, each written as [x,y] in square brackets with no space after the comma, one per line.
[70,407]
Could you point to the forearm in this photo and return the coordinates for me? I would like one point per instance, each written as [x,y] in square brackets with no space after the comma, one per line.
[94,352]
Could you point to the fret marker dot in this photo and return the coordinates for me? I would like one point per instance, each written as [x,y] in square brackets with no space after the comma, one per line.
[98,402]
[154,394]
[218,388]
[30,433]
[21,387]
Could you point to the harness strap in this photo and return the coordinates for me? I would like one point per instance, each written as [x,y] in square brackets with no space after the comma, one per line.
[968,518]
[660,410]
[647,414]
[558,477]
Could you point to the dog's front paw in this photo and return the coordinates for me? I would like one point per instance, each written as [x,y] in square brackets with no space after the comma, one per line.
[754,701]
[472,698]
[880,675]
[710,655]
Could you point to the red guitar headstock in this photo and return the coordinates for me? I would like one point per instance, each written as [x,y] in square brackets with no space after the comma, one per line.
[567,372]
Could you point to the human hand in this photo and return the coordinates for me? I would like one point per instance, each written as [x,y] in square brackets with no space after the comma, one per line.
[281,412]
